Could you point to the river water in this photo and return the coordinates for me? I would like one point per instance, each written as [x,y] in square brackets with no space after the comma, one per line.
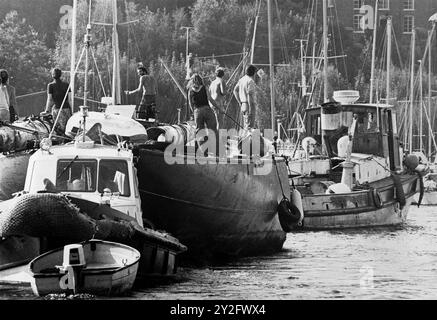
[394,263]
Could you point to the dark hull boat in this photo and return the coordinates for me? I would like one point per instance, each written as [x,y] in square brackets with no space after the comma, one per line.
[13,173]
[216,209]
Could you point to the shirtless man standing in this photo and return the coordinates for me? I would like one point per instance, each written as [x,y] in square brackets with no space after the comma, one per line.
[217,90]
[148,87]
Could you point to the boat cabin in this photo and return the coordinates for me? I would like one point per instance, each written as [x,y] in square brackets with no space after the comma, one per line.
[98,173]
[375,134]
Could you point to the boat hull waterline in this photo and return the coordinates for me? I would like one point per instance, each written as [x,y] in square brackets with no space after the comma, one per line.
[358,210]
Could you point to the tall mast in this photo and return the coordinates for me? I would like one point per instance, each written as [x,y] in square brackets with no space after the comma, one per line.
[325,52]
[271,61]
[389,27]
[87,42]
[73,52]
[302,68]
[116,84]
[187,55]
[372,72]
[413,57]
[429,92]
[421,106]
[430,36]
[252,48]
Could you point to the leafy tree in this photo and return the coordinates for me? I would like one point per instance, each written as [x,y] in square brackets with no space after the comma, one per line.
[24,55]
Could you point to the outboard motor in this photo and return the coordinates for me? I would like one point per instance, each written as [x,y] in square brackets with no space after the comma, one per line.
[73,263]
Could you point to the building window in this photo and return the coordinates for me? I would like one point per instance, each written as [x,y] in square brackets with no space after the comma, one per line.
[358,4]
[384,4]
[408,4]
[408,24]
[358,28]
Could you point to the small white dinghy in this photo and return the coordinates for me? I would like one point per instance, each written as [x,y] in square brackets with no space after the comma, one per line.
[95,267]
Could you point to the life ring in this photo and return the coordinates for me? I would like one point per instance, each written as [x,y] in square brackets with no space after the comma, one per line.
[289,215]
[377,200]
[400,194]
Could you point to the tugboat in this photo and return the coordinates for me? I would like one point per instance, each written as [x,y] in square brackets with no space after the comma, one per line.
[357,178]
[363,182]
[83,190]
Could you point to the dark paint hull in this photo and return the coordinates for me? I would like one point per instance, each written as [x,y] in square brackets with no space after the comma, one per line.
[216,210]
[13,169]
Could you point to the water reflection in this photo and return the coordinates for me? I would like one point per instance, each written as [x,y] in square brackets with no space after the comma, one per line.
[381,263]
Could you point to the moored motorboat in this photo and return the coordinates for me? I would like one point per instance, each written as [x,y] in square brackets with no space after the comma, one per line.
[364,182]
[95,267]
[80,190]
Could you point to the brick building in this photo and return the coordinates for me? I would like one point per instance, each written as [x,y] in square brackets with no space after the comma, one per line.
[357,15]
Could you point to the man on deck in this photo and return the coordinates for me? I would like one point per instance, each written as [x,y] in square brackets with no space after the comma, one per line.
[244,93]
[217,90]
[7,98]
[148,87]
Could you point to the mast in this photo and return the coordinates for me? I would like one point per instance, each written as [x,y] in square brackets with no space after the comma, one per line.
[433,19]
[73,52]
[302,68]
[413,57]
[116,84]
[389,27]
[325,52]
[271,61]
[429,91]
[187,55]
[372,72]
[87,42]
[420,106]
[252,49]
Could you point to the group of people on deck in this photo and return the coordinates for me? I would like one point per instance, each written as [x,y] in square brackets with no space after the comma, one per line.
[206,103]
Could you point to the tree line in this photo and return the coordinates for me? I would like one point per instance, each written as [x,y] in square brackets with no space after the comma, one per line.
[221,35]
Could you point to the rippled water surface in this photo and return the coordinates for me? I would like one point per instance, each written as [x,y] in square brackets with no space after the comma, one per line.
[395,263]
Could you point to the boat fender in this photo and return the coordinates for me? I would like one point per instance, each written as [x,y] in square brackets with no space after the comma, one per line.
[296,199]
[289,215]
[422,189]
[400,194]
[377,200]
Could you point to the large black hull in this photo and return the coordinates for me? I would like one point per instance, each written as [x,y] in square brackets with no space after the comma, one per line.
[216,209]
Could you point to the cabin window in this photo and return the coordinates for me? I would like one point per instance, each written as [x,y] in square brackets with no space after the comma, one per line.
[114,175]
[372,122]
[315,125]
[76,175]
[367,122]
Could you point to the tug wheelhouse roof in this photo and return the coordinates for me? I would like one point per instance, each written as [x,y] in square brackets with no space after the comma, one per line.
[355,106]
